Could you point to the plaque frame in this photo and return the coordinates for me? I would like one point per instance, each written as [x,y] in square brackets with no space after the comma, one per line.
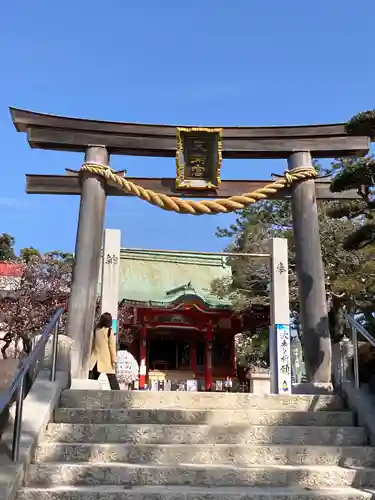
[211,181]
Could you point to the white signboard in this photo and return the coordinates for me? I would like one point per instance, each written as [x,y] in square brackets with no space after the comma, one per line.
[110,274]
[284,364]
[280,316]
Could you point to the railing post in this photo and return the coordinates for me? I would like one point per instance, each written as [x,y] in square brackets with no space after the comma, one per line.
[18,420]
[55,345]
[342,371]
[355,356]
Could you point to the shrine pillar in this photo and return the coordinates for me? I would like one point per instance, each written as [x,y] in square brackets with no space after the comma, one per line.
[143,357]
[233,363]
[193,354]
[208,358]
[310,274]
[84,289]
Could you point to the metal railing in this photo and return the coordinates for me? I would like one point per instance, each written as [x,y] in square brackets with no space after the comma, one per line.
[18,385]
[356,328]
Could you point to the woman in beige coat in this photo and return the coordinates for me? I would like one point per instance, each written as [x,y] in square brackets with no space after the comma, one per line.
[103,355]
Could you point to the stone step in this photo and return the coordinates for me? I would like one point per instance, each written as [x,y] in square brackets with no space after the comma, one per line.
[79,474]
[238,454]
[202,434]
[198,417]
[75,398]
[190,493]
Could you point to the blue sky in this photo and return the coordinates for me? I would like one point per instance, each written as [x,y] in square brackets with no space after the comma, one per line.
[239,62]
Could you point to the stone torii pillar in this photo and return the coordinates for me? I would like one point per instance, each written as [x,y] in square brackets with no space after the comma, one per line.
[310,275]
[83,294]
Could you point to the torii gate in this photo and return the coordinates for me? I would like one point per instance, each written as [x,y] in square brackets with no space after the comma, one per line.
[198,176]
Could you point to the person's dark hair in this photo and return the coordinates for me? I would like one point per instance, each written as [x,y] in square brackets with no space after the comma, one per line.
[105,321]
[124,346]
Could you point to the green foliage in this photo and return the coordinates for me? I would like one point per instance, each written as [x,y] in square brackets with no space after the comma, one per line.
[367,320]
[348,274]
[361,237]
[26,254]
[250,233]
[253,228]
[7,243]
[7,252]
[350,209]
[362,124]
[359,174]
[60,256]
[353,173]
[356,174]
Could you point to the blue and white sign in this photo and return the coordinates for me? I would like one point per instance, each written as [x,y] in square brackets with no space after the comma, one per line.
[114,326]
[284,359]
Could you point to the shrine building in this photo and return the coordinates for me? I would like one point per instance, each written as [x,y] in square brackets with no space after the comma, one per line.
[180,330]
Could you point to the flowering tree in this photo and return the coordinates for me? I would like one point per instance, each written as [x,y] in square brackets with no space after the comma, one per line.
[125,314]
[252,349]
[38,285]
[42,286]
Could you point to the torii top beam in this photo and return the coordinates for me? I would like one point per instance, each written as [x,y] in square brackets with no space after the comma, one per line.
[74,134]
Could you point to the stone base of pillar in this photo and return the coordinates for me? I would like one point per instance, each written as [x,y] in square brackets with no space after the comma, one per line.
[312,388]
[64,349]
[89,385]
[260,383]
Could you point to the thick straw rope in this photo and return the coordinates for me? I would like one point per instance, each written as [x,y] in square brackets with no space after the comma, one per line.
[201,207]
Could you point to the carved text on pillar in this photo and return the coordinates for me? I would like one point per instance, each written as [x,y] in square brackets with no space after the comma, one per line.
[280,268]
[111,259]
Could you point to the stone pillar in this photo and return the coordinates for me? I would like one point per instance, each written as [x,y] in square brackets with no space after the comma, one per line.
[143,357]
[310,275]
[208,358]
[110,279]
[83,295]
[279,339]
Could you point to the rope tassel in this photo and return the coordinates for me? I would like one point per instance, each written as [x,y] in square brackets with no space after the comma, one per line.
[202,207]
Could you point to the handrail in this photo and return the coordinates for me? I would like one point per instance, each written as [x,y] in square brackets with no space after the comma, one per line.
[357,328]
[26,365]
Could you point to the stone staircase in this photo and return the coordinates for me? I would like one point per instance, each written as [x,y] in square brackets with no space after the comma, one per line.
[191,446]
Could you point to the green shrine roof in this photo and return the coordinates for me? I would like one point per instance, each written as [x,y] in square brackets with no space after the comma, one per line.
[160,278]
